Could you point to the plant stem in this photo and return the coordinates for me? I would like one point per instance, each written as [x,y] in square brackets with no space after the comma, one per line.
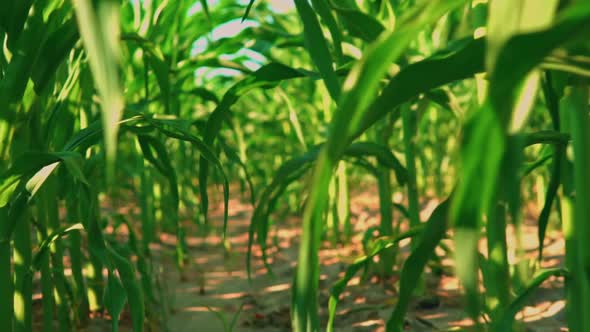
[23,292]
[6,285]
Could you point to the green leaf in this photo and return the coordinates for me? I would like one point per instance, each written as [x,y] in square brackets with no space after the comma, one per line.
[90,135]
[24,54]
[265,77]
[433,232]
[155,59]
[292,170]
[555,175]
[205,6]
[483,133]
[492,129]
[460,61]
[48,241]
[132,288]
[73,164]
[359,91]
[114,299]
[505,323]
[360,24]
[247,11]
[576,111]
[232,155]
[161,161]
[172,129]
[377,247]
[531,49]
[99,29]
[323,9]
[507,18]
[55,50]
[13,15]
[318,48]
[384,157]
[29,164]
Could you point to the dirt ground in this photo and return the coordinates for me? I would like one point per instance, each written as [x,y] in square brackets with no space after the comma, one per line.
[213,281]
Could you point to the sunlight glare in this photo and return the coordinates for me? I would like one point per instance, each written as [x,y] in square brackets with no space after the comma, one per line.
[281,6]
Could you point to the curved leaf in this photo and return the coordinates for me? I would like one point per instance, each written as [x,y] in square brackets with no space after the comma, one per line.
[318,47]
[267,76]
[99,30]
[114,299]
[359,91]
[378,246]
[54,49]
[132,288]
[48,241]
[323,9]
[360,24]
[172,129]
[294,168]
[433,232]
[505,323]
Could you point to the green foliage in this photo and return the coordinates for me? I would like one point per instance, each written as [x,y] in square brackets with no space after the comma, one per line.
[473,102]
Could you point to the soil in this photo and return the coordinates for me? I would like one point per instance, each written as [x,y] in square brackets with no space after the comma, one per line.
[217,282]
[213,288]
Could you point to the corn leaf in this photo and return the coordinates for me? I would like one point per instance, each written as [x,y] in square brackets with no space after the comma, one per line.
[100,29]
[323,9]
[247,11]
[132,288]
[114,299]
[161,161]
[377,247]
[360,24]
[488,130]
[267,76]
[54,49]
[317,47]
[30,163]
[48,241]
[505,323]
[360,88]
[433,232]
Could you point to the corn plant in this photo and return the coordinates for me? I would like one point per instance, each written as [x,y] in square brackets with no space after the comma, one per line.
[109,104]
[496,128]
